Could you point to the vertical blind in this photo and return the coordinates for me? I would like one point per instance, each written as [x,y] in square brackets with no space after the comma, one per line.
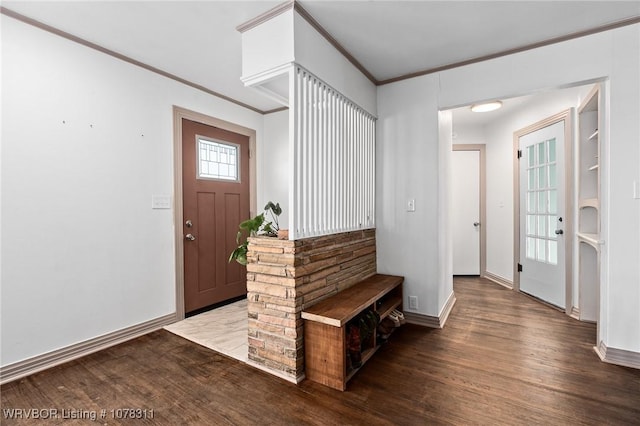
[333,161]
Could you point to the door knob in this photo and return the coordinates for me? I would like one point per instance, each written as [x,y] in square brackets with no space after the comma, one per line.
[559,232]
[188,224]
[476,224]
[189,237]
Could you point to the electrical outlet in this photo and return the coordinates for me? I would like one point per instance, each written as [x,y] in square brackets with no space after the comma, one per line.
[411,205]
[413,302]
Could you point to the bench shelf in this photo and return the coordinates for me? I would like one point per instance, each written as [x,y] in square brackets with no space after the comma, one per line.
[325,327]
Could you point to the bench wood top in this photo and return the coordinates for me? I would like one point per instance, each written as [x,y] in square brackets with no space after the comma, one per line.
[338,309]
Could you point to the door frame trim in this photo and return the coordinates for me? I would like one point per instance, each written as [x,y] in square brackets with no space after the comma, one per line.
[481,148]
[178,114]
[567,117]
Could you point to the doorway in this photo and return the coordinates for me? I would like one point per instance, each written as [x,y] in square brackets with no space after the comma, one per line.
[215,191]
[469,214]
[190,232]
[543,210]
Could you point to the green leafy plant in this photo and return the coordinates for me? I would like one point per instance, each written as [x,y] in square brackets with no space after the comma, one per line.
[271,228]
[253,227]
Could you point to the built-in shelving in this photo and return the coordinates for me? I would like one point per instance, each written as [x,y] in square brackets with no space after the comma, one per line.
[589,202]
[589,241]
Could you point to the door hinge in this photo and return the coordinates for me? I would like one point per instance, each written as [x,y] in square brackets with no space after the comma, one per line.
[519,267]
[519,153]
[250,153]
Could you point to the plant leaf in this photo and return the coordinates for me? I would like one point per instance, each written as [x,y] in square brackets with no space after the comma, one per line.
[274,208]
[240,254]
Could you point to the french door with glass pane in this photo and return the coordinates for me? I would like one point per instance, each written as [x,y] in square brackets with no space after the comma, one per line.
[542,215]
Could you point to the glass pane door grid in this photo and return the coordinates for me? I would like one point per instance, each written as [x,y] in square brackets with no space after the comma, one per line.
[542,202]
[217,160]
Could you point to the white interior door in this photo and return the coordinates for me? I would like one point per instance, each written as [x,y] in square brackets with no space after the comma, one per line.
[542,215]
[465,220]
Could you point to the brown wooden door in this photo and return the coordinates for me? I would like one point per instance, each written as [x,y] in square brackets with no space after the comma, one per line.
[215,184]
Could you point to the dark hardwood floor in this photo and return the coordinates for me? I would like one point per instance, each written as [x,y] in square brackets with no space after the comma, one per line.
[502,358]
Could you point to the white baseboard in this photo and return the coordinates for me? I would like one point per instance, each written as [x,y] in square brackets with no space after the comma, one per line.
[431,321]
[47,360]
[446,309]
[618,356]
[423,320]
[498,280]
[575,313]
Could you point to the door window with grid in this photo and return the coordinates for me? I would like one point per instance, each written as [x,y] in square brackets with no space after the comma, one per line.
[542,202]
[217,159]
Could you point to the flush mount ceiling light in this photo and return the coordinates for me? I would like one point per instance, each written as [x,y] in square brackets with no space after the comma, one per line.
[486,107]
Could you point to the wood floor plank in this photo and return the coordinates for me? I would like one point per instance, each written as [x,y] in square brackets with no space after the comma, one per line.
[502,358]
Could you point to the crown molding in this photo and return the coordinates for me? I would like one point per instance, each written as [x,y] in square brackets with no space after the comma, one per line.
[264,17]
[271,111]
[295,5]
[288,5]
[607,27]
[324,33]
[25,19]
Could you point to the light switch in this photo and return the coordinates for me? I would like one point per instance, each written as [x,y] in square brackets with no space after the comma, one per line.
[160,201]
[411,205]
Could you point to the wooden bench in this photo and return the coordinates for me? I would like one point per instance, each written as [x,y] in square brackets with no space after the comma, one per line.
[326,323]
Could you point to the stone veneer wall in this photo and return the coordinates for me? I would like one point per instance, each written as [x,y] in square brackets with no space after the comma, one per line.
[284,277]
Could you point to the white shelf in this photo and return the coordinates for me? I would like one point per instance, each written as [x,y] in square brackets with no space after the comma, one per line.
[591,239]
[589,202]
[590,244]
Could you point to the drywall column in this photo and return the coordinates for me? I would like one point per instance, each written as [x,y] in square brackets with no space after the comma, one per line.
[333,116]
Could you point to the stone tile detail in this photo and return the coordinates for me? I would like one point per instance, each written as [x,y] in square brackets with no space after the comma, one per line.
[284,277]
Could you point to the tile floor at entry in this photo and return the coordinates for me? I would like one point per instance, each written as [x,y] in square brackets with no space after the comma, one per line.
[223,329]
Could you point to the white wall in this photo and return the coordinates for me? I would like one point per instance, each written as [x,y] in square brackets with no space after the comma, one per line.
[86,142]
[407,168]
[467,134]
[273,161]
[621,315]
[615,55]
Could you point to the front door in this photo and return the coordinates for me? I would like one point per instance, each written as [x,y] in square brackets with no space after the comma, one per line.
[542,216]
[215,183]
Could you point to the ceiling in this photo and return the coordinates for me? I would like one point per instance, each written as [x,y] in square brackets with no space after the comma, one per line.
[198,41]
